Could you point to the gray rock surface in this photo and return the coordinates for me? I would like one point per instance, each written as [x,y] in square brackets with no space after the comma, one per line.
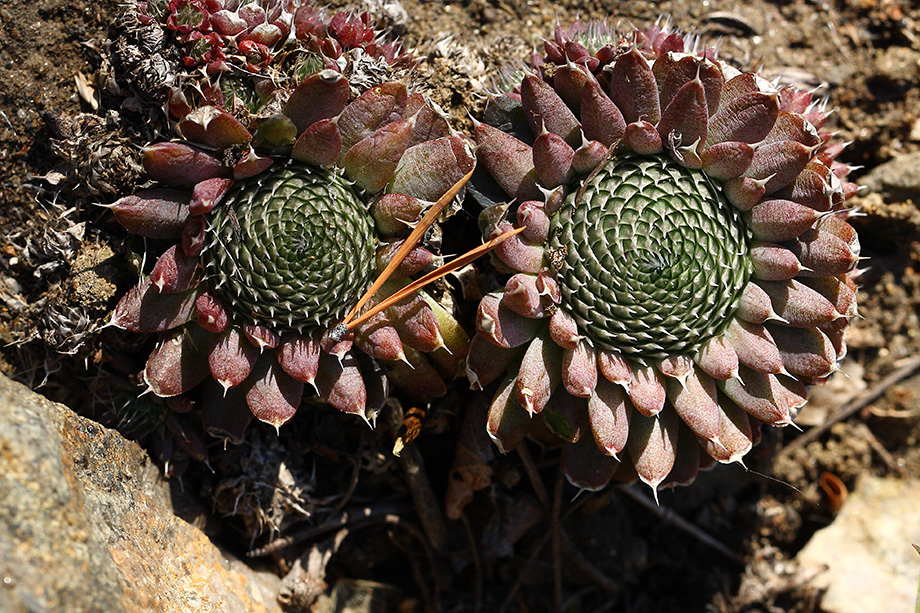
[87,524]
[898,179]
[871,565]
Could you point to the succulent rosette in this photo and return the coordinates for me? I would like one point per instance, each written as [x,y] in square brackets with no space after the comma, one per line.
[685,271]
[249,35]
[282,224]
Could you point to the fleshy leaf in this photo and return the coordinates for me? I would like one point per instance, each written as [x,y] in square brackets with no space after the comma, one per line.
[273,396]
[155,213]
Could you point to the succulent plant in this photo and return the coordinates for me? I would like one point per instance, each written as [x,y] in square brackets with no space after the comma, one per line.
[685,270]
[282,224]
[248,35]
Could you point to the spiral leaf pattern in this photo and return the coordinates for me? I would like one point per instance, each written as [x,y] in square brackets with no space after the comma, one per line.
[684,268]
[284,214]
[655,257]
[294,248]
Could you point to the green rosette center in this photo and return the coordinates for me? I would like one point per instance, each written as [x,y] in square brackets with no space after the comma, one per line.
[655,261]
[293,247]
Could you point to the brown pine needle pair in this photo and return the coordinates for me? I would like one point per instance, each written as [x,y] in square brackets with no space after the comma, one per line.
[427,220]
[434,275]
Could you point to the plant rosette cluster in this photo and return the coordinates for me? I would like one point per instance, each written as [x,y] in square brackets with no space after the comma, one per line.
[282,224]
[221,33]
[686,269]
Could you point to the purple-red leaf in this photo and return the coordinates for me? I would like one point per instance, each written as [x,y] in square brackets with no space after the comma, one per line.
[154,213]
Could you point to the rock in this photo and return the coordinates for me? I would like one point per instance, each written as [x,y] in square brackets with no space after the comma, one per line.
[871,565]
[898,179]
[915,131]
[899,65]
[87,524]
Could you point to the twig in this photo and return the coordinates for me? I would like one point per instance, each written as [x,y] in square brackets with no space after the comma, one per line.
[556,531]
[520,580]
[392,519]
[353,483]
[433,602]
[561,541]
[676,520]
[603,581]
[880,450]
[868,396]
[477,563]
[583,499]
[424,499]
[346,519]
[534,477]
[426,503]
[893,413]
[576,599]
